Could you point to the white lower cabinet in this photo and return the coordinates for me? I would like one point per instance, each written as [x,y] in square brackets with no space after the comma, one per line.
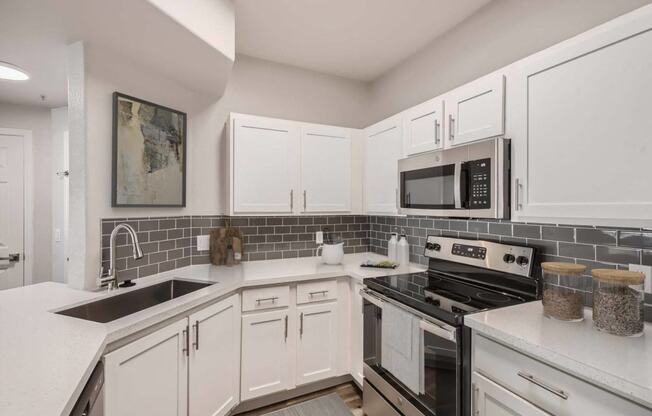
[186,368]
[489,399]
[317,342]
[215,359]
[265,353]
[150,375]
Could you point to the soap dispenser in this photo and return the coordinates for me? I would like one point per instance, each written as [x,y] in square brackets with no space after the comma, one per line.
[403,249]
[392,247]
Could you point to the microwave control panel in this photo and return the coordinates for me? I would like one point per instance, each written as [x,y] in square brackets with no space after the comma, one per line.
[479,184]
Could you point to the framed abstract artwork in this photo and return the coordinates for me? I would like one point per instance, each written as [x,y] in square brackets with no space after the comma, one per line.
[149,154]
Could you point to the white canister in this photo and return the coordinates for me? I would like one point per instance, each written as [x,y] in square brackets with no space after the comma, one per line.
[331,253]
[391,248]
[403,251]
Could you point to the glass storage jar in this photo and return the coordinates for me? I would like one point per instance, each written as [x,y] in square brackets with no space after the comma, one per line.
[618,297]
[563,298]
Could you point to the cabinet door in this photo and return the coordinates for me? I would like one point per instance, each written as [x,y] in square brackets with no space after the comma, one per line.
[580,127]
[150,375]
[264,165]
[265,354]
[490,399]
[325,169]
[424,126]
[214,365]
[384,149]
[317,342]
[357,332]
[476,110]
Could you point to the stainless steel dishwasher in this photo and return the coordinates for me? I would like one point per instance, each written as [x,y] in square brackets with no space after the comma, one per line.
[91,399]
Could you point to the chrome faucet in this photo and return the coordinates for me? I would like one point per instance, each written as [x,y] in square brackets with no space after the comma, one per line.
[111,277]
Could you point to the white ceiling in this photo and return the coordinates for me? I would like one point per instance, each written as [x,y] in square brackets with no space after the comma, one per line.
[359,39]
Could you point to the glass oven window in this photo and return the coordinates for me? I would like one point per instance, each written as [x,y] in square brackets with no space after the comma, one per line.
[440,375]
[429,188]
[372,331]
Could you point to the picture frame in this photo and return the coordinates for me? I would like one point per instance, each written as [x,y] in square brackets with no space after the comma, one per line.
[149,154]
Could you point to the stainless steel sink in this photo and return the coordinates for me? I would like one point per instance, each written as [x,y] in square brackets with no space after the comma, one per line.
[112,308]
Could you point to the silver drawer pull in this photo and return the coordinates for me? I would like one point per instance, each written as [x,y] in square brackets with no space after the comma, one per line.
[533,380]
[273,299]
[319,292]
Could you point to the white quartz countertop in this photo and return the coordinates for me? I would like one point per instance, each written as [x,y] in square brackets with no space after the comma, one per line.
[618,364]
[46,359]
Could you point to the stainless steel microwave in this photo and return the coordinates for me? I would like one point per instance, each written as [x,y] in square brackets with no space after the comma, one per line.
[469,181]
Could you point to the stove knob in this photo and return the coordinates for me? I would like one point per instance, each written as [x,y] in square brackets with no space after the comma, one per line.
[509,258]
[433,246]
[522,261]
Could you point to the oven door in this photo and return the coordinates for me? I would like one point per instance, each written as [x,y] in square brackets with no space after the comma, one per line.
[440,373]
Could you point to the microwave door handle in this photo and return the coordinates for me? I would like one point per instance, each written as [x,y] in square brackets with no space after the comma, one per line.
[457,183]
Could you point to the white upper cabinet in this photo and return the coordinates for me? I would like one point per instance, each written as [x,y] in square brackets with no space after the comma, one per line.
[325,169]
[214,382]
[383,150]
[424,126]
[476,110]
[579,117]
[263,165]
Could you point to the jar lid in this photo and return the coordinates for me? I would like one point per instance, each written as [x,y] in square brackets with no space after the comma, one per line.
[560,267]
[620,276]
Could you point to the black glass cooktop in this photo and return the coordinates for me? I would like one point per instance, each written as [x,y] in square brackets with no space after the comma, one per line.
[437,294]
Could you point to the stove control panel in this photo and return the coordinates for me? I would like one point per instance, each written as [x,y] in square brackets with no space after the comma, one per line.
[473,252]
[487,254]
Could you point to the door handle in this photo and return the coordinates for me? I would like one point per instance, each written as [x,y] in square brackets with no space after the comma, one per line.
[304,199]
[286,327]
[457,181]
[437,125]
[301,325]
[517,194]
[451,129]
[557,392]
[474,400]
[291,199]
[186,336]
[196,343]
[14,258]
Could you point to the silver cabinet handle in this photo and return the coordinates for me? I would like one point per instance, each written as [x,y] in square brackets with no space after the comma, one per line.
[291,199]
[517,194]
[286,327]
[474,400]
[557,392]
[301,325]
[186,348]
[196,343]
[304,199]
[451,131]
[319,292]
[437,125]
[261,300]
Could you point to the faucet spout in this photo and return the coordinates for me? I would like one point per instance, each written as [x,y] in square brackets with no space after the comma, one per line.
[137,253]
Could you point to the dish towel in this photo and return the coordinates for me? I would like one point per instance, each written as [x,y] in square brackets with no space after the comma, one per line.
[401,346]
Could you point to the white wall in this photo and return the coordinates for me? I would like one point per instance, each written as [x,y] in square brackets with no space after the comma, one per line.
[256,87]
[37,119]
[499,34]
[59,158]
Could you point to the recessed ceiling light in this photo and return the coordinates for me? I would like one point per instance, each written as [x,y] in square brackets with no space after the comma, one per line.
[12,72]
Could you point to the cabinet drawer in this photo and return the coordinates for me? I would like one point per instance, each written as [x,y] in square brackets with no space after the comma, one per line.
[265,298]
[550,389]
[316,291]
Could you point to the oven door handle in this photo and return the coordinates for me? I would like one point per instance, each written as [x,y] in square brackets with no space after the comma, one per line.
[371,298]
[450,335]
[457,183]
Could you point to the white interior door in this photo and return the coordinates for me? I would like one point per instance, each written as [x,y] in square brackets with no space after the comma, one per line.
[326,169]
[12,206]
[384,149]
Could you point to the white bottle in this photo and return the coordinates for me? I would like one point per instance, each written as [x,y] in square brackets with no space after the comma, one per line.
[391,248]
[403,250]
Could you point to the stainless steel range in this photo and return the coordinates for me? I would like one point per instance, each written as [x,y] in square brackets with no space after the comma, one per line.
[417,350]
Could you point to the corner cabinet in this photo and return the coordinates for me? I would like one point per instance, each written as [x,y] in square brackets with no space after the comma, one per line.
[579,119]
[190,367]
[284,167]
[476,111]
[325,169]
[384,148]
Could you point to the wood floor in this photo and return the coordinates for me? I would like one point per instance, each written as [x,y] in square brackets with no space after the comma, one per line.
[348,392]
